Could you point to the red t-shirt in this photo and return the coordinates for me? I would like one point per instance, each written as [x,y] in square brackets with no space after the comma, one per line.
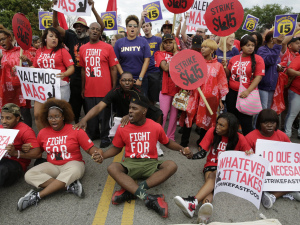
[60,60]
[241,67]
[25,136]
[168,86]
[295,65]
[64,145]
[97,60]
[140,141]
[236,44]
[254,135]
[212,158]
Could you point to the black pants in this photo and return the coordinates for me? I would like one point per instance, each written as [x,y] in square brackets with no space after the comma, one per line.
[10,172]
[25,112]
[102,118]
[186,133]
[245,120]
[76,101]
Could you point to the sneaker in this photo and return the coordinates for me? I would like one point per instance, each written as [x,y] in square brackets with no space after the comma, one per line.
[121,196]
[268,199]
[296,195]
[205,213]
[31,198]
[187,205]
[76,189]
[158,204]
[159,150]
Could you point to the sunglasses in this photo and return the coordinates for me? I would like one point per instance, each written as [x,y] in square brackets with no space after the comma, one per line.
[132,25]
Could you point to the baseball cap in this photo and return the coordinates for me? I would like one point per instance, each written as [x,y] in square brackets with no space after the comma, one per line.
[167,23]
[12,108]
[294,39]
[167,37]
[81,21]
[140,100]
[197,41]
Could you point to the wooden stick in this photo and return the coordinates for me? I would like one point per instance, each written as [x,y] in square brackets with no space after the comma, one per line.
[224,49]
[174,21]
[21,53]
[205,101]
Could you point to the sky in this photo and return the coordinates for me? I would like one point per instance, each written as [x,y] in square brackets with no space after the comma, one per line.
[128,7]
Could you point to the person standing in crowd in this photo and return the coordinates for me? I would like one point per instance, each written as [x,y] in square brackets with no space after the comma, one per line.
[230,49]
[64,166]
[74,41]
[141,158]
[134,53]
[25,147]
[53,55]
[247,68]
[258,40]
[167,29]
[36,44]
[162,58]
[114,38]
[153,73]
[99,75]
[10,91]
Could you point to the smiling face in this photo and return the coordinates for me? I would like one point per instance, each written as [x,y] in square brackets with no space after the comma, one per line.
[146,28]
[56,119]
[9,120]
[132,28]
[5,41]
[51,40]
[230,40]
[222,127]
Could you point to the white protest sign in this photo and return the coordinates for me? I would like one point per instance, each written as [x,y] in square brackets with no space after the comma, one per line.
[73,7]
[241,175]
[197,11]
[283,173]
[39,84]
[7,136]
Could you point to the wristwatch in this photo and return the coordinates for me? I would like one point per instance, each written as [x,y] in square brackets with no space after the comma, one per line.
[140,78]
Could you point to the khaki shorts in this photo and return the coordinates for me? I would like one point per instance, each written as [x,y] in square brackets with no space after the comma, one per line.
[66,173]
[141,168]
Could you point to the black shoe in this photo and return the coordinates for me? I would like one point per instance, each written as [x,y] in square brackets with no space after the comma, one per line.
[121,196]
[180,131]
[158,204]
[104,144]
[197,130]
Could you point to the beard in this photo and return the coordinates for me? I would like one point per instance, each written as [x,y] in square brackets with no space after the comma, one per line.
[82,35]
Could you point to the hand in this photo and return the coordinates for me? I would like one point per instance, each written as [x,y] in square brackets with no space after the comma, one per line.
[187,14]
[61,75]
[54,2]
[221,105]
[244,94]
[91,3]
[124,121]
[81,125]
[26,147]
[180,19]
[297,27]
[187,152]
[14,69]
[250,152]
[11,150]
[279,39]
[280,68]
[138,82]
[224,63]
[97,156]
[82,93]
[144,13]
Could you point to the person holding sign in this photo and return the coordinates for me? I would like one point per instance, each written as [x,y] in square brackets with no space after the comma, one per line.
[223,137]
[25,146]
[53,55]
[10,91]
[247,68]
[64,166]
[230,49]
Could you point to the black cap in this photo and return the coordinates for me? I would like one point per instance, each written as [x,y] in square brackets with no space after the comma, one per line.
[294,39]
[167,37]
[139,99]
[197,41]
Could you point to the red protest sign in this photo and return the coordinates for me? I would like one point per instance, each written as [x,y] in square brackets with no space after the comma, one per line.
[22,30]
[188,69]
[178,6]
[224,17]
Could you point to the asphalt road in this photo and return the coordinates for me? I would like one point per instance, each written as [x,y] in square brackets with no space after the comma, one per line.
[96,208]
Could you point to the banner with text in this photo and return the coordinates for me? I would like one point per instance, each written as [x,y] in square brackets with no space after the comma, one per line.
[241,175]
[283,173]
[154,12]
[7,136]
[197,11]
[73,7]
[39,84]
[285,24]
[110,21]
[250,23]
[45,20]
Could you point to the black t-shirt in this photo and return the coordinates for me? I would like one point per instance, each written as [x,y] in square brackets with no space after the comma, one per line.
[74,43]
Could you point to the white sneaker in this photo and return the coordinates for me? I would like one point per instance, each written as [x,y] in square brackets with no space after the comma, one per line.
[296,195]
[205,213]
[268,199]
[187,205]
[159,150]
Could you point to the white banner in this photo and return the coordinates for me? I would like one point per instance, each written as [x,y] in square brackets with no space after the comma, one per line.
[7,136]
[73,7]
[197,11]
[283,173]
[241,175]
[39,84]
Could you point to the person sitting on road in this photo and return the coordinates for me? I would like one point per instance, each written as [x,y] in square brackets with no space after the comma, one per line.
[267,125]
[218,139]
[139,138]
[64,166]
[25,147]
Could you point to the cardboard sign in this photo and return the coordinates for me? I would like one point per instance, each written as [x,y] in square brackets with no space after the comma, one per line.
[188,69]
[154,11]
[285,24]
[7,136]
[250,23]
[224,17]
[73,7]
[178,6]
[196,18]
[241,175]
[110,21]
[45,20]
[283,173]
[121,29]
[39,84]
[22,30]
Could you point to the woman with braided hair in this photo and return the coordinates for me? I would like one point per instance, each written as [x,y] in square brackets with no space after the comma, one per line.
[247,68]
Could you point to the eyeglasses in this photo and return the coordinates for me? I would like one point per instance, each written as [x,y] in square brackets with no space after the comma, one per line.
[199,31]
[96,29]
[132,25]
[54,118]
[127,80]
[3,39]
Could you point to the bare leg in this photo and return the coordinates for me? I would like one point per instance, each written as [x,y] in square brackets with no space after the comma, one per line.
[208,186]
[278,194]
[208,198]
[50,186]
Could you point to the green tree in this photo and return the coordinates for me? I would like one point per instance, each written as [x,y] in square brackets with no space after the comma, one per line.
[29,8]
[266,15]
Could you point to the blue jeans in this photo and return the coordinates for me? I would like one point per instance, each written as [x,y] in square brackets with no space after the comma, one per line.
[293,110]
[266,98]
[145,86]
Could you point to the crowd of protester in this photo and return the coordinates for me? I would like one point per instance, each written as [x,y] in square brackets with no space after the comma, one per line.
[129,77]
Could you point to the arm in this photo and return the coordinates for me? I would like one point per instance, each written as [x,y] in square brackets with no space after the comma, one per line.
[164,66]
[176,147]
[183,30]
[83,81]
[119,68]
[98,18]
[114,76]
[144,13]
[55,22]
[113,151]
[34,153]
[178,28]
[288,38]
[143,71]
[252,86]
[96,153]
[270,56]
[69,72]
[292,73]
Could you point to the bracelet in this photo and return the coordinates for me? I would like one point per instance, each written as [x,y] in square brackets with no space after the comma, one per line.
[18,154]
